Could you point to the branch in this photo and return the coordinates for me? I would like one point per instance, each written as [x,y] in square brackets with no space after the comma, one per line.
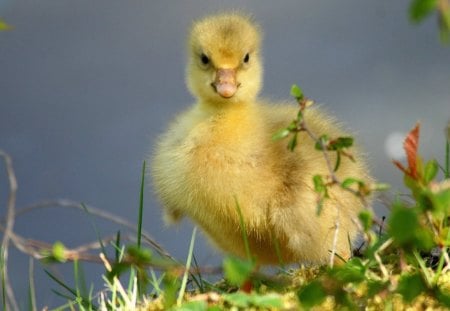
[9,227]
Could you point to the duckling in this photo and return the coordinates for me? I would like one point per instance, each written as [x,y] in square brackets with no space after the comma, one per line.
[219,154]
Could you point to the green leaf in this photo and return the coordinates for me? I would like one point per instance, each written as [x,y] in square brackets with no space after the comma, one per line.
[420,9]
[296,92]
[58,252]
[4,26]
[348,182]
[312,294]
[267,301]
[374,287]
[380,187]
[322,143]
[237,271]
[410,286]
[365,217]
[192,306]
[293,142]
[443,297]
[281,134]
[171,286]
[352,272]
[238,299]
[444,25]
[139,255]
[431,170]
[405,228]
[319,185]
[341,143]
[117,269]
[338,162]
[402,224]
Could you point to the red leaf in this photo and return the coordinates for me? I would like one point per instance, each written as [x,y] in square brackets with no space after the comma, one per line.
[411,144]
[247,286]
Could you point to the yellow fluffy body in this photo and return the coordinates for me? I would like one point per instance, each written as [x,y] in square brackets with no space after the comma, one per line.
[220,152]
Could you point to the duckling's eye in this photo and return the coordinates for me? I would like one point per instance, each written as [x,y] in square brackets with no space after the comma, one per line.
[246,58]
[204,59]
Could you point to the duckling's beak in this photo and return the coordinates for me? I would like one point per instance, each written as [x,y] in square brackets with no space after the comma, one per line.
[225,83]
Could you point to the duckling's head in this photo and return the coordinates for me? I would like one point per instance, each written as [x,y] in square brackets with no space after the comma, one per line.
[224,64]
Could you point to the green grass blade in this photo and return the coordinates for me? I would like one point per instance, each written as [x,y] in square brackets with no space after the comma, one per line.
[95,228]
[447,159]
[2,272]
[188,266]
[85,302]
[80,280]
[61,283]
[141,206]
[198,281]
[31,286]
[117,247]
[155,282]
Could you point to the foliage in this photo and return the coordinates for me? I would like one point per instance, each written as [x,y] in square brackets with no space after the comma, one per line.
[420,9]
[4,26]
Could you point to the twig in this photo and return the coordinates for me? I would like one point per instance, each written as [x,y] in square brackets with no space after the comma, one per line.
[378,258]
[58,203]
[9,226]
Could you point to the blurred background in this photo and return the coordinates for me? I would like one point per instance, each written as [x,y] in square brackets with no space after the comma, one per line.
[86,87]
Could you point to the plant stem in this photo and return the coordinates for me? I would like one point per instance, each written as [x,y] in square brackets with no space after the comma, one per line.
[188,266]
[141,207]
[447,159]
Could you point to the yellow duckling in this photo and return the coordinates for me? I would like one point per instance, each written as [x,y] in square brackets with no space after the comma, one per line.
[220,152]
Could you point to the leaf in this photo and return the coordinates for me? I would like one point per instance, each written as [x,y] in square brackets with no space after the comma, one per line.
[405,228]
[171,286]
[444,24]
[312,294]
[380,187]
[4,26]
[365,217]
[419,9]
[139,255]
[431,170]
[293,142]
[319,185]
[267,301]
[117,269]
[411,145]
[352,272]
[374,287]
[243,300]
[296,92]
[348,182]
[338,161]
[238,299]
[443,297]
[341,143]
[410,286]
[322,142]
[281,134]
[237,271]
[59,252]
[192,306]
